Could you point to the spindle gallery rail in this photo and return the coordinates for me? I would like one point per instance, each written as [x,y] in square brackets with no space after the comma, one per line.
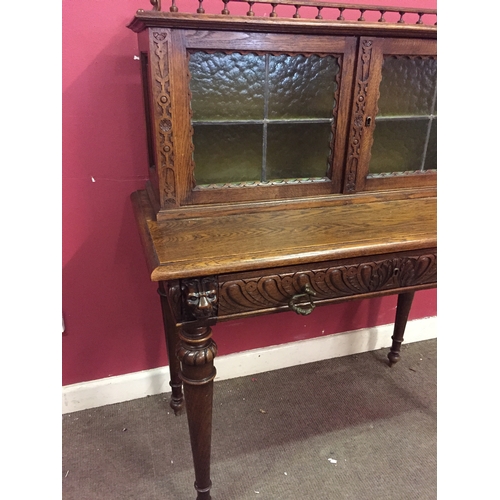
[425,16]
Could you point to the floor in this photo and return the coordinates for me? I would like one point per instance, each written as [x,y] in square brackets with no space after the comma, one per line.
[346,428]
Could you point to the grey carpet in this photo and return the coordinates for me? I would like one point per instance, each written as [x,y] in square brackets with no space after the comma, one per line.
[345,428]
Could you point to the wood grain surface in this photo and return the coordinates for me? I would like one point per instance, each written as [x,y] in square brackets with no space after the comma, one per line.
[233,243]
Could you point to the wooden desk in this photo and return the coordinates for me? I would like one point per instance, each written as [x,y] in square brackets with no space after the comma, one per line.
[214,269]
[292,163]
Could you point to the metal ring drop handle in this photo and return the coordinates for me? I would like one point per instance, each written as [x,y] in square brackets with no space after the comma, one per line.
[304,310]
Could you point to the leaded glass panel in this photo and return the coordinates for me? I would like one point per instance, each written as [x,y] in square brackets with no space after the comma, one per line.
[407,86]
[405,132]
[398,146]
[296,150]
[228,153]
[431,154]
[227,86]
[262,117]
[302,87]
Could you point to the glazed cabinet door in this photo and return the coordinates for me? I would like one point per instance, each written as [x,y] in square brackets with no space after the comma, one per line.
[268,115]
[247,117]
[393,129]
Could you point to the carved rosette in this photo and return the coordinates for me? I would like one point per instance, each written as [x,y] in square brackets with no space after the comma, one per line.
[356,133]
[334,282]
[163,115]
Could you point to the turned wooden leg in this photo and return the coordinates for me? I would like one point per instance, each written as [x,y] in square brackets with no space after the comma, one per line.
[402,312]
[172,340]
[196,353]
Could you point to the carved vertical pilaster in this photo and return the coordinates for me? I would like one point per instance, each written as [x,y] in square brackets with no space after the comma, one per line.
[358,120]
[162,109]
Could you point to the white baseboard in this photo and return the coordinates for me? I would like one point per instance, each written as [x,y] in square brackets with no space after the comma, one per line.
[111,390]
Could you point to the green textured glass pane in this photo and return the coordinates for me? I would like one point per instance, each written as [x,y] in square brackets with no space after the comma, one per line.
[398,146]
[302,87]
[227,87]
[297,150]
[227,153]
[431,155]
[407,86]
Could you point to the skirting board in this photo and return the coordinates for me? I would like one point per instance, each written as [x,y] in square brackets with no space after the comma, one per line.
[121,388]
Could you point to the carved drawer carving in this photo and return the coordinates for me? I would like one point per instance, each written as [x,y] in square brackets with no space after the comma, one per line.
[245,294]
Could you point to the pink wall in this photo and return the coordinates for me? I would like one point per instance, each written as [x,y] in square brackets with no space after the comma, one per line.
[111,309]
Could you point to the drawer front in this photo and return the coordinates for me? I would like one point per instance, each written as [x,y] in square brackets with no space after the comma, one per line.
[251,292]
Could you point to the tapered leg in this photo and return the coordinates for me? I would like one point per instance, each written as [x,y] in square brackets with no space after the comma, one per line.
[402,312]
[172,340]
[196,353]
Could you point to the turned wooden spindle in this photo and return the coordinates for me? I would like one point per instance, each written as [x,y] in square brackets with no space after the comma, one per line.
[200,9]
[225,10]
[250,12]
[361,11]
[319,13]
[382,20]
[401,15]
[402,311]
[273,12]
[420,14]
[296,15]
[196,353]
[156,5]
[172,340]
[341,14]
[173,7]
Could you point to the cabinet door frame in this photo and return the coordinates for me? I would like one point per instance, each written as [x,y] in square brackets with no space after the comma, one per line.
[366,93]
[184,41]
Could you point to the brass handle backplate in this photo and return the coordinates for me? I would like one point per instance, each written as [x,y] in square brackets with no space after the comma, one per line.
[304,310]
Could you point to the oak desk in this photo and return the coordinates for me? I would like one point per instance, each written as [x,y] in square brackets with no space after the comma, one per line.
[240,265]
[292,163]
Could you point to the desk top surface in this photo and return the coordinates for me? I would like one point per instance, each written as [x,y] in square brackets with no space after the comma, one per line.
[191,247]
